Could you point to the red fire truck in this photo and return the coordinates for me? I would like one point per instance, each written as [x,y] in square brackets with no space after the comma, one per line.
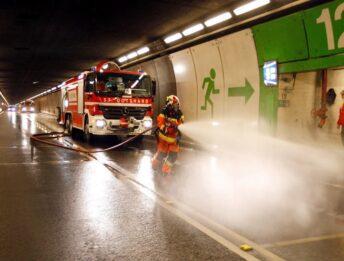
[108,101]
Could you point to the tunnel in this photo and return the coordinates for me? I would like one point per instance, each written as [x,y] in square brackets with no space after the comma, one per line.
[172,130]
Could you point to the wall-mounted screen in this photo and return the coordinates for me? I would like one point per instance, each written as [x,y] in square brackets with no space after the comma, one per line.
[270,73]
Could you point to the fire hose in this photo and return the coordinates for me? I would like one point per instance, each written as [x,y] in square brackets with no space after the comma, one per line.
[45,137]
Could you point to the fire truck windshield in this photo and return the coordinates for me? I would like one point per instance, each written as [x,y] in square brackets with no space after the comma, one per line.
[117,84]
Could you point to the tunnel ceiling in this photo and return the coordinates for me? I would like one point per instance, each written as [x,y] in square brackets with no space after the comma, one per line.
[45,42]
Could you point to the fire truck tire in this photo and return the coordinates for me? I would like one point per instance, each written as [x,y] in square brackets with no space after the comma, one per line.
[88,137]
[69,125]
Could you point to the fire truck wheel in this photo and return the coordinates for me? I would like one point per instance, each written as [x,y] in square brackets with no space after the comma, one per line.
[88,137]
[69,125]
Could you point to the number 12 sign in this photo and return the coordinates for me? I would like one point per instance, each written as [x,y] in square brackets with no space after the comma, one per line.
[325,29]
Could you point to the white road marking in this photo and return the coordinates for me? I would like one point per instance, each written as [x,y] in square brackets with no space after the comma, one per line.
[176,207]
[52,162]
[334,185]
[161,200]
[304,240]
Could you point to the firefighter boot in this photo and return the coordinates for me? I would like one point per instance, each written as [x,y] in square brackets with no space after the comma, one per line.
[167,168]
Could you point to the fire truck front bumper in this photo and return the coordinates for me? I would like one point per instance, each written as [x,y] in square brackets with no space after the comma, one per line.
[100,126]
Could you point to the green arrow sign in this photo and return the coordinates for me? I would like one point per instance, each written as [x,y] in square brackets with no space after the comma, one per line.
[244,91]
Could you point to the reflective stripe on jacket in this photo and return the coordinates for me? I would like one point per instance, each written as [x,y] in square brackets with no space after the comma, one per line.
[166,138]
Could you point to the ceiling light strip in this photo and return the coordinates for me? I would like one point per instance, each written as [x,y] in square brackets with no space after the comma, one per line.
[227,27]
[172,38]
[142,50]
[218,19]
[193,29]
[250,6]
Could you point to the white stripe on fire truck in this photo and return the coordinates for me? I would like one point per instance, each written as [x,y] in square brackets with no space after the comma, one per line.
[118,104]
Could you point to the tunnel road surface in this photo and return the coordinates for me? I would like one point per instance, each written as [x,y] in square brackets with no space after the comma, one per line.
[65,205]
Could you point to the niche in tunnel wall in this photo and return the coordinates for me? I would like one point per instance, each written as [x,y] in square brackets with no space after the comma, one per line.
[186,82]
[161,71]
[300,99]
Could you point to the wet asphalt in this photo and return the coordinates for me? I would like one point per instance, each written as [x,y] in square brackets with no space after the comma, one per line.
[62,205]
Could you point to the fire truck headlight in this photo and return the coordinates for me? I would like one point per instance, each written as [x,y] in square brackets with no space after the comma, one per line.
[32,109]
[147,123]
[100,124]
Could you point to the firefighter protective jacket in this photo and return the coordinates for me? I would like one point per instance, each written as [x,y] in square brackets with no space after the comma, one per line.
[168,122]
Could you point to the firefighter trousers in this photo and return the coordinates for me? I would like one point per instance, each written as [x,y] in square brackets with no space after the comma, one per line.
[166,155]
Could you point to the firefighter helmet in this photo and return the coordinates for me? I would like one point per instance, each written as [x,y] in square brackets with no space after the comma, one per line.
[172,100]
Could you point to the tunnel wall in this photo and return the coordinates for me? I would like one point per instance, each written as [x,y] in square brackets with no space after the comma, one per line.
[49,103]
[298,42]
[233,58]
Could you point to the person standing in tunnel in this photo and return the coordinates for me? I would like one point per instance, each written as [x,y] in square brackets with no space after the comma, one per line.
[168,135]
[340,122]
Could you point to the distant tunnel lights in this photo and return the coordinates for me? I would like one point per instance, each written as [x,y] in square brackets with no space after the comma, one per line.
[193,29]
[173,38]
[218,19]
[250,6]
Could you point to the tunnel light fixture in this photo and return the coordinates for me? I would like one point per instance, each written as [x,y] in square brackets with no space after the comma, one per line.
[179,69]
[81,76]
[4,98]
[131,55]
[250,6]
[122,59]
[218,19]
[173,38]
[143,50]
[193,29]
[53,89]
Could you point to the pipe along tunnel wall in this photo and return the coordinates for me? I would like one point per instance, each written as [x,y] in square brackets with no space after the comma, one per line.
[222,79]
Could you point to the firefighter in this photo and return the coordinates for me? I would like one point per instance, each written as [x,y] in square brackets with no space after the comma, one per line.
[340,122]
[168,135]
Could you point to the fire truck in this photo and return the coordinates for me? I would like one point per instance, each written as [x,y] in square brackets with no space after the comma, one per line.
[108,101]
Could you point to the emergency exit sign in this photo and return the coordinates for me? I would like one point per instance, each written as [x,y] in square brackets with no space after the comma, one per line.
[325,29]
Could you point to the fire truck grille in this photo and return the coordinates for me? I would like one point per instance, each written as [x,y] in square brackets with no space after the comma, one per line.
[111,112]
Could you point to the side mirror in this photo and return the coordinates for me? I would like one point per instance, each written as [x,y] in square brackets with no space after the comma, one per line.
[154,87]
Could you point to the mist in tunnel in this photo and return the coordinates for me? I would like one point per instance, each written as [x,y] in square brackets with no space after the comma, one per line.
[252,181]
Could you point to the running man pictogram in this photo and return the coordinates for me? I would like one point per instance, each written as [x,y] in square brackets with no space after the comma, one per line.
[210,90]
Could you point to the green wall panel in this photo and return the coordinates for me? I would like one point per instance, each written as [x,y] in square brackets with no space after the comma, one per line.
[268,106]
[283,39]
[325,29]
[312,64]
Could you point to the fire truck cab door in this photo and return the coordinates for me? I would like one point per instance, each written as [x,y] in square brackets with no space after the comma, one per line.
[81,96]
